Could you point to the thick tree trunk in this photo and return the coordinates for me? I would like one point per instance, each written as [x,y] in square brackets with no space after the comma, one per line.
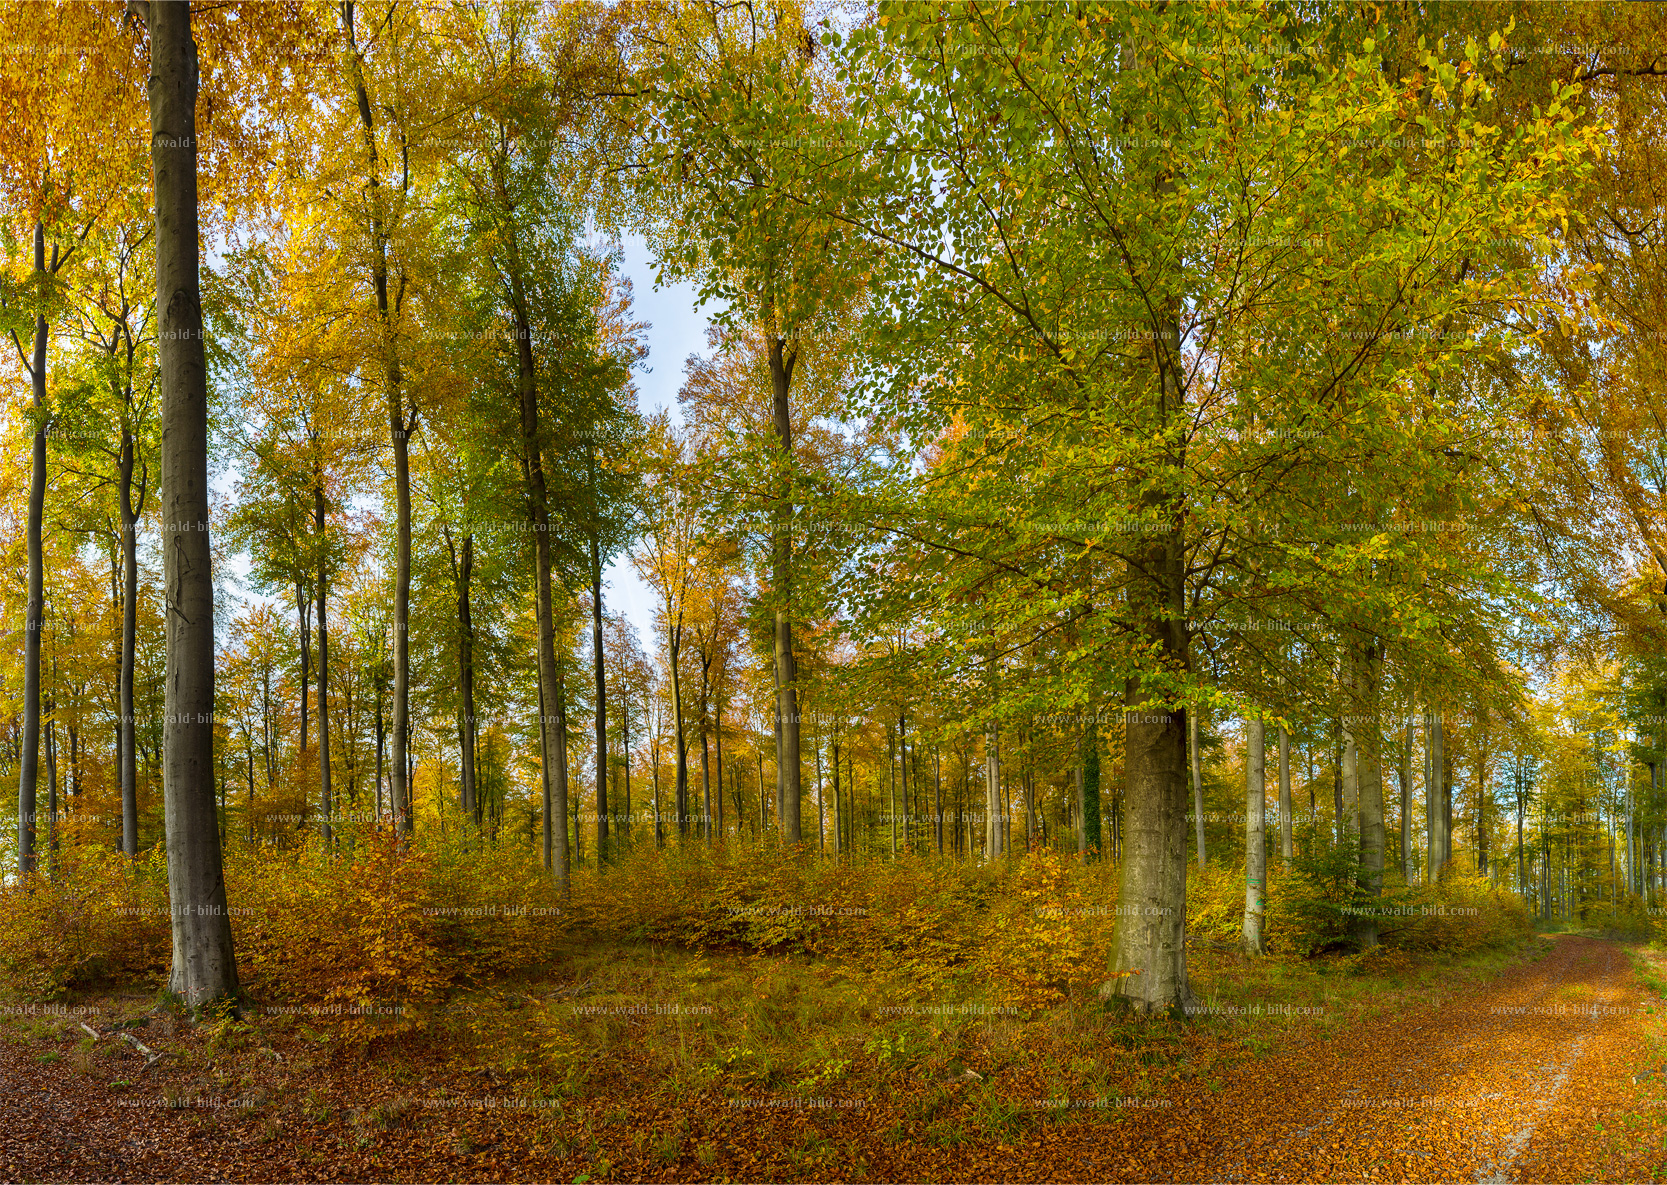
[1255,836]
[782,361]
[204,964]
[1151,926]
[35,606]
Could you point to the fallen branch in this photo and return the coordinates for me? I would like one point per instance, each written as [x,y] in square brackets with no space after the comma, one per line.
[151,1055]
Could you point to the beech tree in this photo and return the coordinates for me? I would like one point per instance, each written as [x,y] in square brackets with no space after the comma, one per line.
[1093,171]
[204,964]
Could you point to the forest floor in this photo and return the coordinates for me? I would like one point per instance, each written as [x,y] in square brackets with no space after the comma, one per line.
[1545,1063]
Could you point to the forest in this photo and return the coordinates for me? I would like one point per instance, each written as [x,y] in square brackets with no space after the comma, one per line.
[1135,648]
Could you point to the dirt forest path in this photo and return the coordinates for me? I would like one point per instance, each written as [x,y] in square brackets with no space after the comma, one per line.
[1529,1078]
[1526,1078]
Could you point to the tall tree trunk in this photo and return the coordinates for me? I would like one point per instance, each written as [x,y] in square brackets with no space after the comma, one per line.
[1482,818]
[603,851]
[51,743]
[466,725]
[659,835]
[625,819]
[324,783]
[782,361]
[1369,775]
[1285,850]
[1435,784]
[992,794]
[903,782]
[705,770]
[1151,927]
[126,756]
[303,617]
[35,607]
[891,780]
[1405,774]
[204,964]
[937,794]
[1197,782]
[1255,836]
[675,645]
[399,428]
[553,722]
[839,831]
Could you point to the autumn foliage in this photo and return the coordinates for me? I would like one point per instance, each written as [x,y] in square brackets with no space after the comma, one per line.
[379,931]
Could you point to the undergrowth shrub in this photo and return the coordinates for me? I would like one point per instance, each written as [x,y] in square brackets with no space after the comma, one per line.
[343,931]
[97,915]
[377,929]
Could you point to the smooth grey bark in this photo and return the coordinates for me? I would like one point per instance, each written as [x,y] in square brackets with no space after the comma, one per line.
[1285,850]
[1369,776]
[1436,798]
[399,429]
[788,790]
[204,963]
[1153,870]
[1197,782]
[1255,836]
